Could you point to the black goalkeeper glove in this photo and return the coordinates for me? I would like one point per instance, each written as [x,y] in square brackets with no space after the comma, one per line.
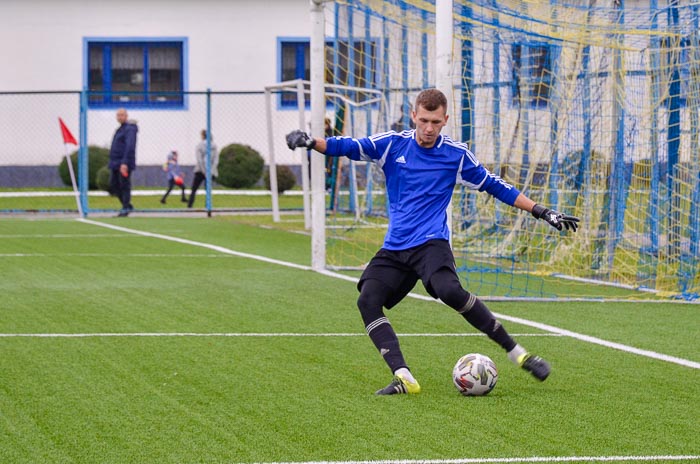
[555,218]
[300,139]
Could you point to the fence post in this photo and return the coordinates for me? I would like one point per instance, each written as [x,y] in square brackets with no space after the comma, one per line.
[83,163]
[207,202]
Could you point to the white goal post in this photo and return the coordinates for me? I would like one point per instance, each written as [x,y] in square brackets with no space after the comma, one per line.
[296,86]
[335,92]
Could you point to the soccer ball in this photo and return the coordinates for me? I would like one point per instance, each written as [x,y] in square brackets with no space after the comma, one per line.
[475,374]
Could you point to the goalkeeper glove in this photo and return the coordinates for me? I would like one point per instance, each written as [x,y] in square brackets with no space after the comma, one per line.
[555,218]
[300,139]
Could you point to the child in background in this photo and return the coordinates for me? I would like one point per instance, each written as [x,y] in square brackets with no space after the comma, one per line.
[175,176]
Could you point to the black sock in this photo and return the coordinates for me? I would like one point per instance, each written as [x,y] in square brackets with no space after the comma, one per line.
[384,338]
[478,315]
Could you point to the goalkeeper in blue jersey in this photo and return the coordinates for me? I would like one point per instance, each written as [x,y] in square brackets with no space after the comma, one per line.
[421,168]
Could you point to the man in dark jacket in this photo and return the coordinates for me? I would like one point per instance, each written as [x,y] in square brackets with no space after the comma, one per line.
[122,161]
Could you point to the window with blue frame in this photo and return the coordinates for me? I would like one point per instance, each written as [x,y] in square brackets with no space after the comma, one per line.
[135,73]
[295,64]
[345,64]
[532,74]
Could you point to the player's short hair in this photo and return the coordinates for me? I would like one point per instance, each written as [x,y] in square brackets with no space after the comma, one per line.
[431,99]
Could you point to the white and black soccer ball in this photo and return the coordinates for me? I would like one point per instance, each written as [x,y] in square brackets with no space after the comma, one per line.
[475,374]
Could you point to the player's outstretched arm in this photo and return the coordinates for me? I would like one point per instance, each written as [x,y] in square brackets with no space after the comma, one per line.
[300,139]
[554,218]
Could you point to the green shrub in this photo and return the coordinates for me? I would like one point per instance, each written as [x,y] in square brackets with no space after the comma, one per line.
[240,166]
[286,179]
[102,179]
[98,157]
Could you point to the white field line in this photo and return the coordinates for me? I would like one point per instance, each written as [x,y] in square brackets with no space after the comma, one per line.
[661,458]
[130,255]
[330,273]
[198,244]
[2,236]
[544,327]
[136,193]
[568,333]
[245,334]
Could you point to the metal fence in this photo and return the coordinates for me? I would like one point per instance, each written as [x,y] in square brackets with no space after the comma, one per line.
[32,146]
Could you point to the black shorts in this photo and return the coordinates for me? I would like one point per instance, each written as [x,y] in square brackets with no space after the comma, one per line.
[400,270]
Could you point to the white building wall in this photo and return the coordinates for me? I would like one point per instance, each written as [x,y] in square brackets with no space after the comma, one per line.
[232,46]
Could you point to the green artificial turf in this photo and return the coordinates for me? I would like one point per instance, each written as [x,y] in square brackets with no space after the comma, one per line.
[117,347]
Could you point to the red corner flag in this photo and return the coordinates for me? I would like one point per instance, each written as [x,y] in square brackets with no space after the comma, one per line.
[67,136]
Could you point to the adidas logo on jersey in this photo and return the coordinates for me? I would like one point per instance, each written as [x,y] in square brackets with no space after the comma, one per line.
[401,160]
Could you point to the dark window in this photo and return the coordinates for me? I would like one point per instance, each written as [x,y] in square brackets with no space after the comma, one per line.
[135,74]
[532,74]
[295,64]
[352,66]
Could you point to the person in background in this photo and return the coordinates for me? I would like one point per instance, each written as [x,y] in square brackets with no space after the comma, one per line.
[122,161]
[174,176]
[200,169]
[404,122]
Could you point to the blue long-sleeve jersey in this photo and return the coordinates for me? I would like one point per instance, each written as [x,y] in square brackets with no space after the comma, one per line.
[420,181]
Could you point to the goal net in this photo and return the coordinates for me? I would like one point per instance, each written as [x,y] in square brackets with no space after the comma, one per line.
[588,107]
